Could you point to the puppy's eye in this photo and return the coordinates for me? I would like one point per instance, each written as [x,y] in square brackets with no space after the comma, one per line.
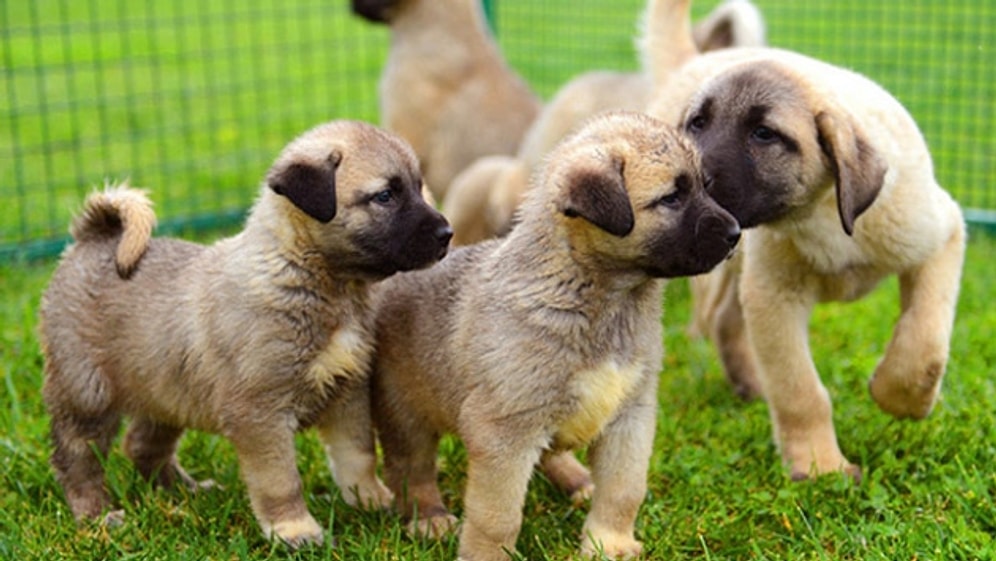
[697,123]
[671,200]
[763,135]
[383,197]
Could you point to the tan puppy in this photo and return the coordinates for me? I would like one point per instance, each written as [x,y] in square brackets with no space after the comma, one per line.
[446,88]
[253,337]
[549,339]
[837,179]
[483,197]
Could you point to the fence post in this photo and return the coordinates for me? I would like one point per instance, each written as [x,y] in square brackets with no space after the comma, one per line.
[489,14]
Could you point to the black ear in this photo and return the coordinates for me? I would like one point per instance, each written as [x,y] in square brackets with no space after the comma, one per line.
[310,187]
[599,196]
[857,168]
[377,11]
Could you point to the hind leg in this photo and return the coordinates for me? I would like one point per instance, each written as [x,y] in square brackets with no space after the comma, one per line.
[410,472]
[83,423]
[568,474]
[152,448]
[80,443]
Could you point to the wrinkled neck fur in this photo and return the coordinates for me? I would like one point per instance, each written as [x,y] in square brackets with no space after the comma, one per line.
[538,254]
[285,243]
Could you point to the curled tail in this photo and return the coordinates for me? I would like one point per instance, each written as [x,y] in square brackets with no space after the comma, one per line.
[117,211]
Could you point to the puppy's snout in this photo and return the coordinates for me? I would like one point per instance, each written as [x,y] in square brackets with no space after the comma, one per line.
[721,226]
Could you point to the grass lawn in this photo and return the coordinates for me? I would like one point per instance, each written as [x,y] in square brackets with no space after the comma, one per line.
[716,488]
[195,101]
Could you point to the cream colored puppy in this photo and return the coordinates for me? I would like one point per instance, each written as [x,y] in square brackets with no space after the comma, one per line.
[483,197]
[446,88]
[835,179]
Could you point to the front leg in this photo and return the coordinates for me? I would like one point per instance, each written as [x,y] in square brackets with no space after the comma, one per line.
[907,380]
[777,319]
[266,455]
[500,463]
[620,459]
[346,432]
[730,335]
[719,315]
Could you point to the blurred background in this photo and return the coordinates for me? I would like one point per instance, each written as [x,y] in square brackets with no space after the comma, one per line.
[193,100]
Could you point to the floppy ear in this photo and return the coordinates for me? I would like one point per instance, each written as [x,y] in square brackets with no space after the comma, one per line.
[599,196]
[310,187]
[714,34]
[857,168]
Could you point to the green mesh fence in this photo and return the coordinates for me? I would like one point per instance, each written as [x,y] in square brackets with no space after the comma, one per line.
[194,100]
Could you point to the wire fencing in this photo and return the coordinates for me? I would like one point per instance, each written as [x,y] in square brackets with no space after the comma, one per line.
[194,100]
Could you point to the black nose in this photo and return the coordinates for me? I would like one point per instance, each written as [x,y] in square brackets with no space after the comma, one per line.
[444,233]
[733,235]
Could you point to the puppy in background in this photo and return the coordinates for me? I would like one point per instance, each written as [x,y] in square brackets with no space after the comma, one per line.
[253,337]
[547,340]
[665,42]
[482,199]
[446,88]
[834,177]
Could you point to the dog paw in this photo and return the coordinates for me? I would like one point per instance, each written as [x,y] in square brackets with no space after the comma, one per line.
[113,519]
[434,527]
[906,396]
[582,494]
[570,475]
[847,468]
[372,496]
[613,546]
[298,533]
[194,486]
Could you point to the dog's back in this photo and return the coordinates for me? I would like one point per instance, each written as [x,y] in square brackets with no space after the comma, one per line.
[83,311]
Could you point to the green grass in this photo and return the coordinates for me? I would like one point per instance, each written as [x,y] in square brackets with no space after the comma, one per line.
[195,100]
[717,490]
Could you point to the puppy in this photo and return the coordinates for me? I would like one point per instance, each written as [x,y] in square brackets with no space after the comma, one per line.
[547,340]
[446,88]
[253,337]
[836,178]
[666,41]
[482,198]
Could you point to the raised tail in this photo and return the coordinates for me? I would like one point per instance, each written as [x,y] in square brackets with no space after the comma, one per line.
[665,41]
[117,211]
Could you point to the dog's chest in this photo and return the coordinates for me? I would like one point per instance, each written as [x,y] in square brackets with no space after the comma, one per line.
[597,395]
[345,357]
